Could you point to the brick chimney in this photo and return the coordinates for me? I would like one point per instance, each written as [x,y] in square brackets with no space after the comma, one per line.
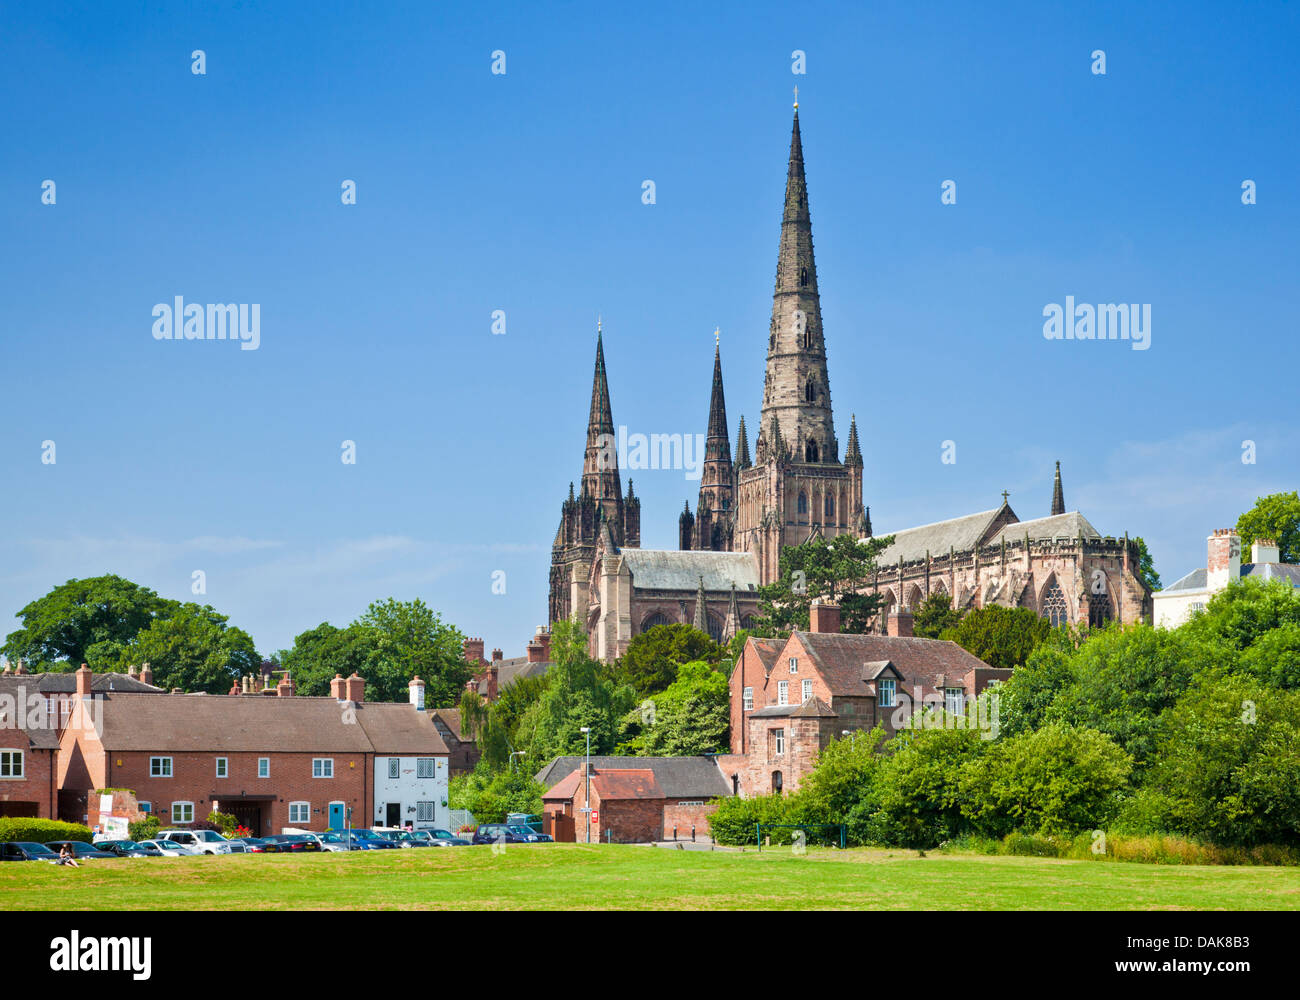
[492,687]
[536,651]
[1265,550]
[22,666]
[130,671]
[544,637]
[416,688]
[85,680]
[336,687]
[1222,558]
[354,688]
[900,622]
[285,688]
[146,674]
[824,616]
[473,651]
[497,656]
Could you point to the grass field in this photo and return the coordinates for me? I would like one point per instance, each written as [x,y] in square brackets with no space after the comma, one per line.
[579,876]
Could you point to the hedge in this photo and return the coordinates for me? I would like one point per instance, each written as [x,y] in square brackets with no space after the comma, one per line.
[42,831]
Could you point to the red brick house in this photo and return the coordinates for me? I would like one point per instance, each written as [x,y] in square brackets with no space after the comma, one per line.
[272,760]
[634,800]
[822,684]
[29,746]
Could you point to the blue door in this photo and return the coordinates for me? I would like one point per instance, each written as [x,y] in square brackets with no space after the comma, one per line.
[336,815]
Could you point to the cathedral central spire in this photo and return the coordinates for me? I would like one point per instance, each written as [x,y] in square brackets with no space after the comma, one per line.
[797,390]
[600,479]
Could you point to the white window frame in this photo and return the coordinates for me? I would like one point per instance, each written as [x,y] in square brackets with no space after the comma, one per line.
[425,812]
[181,818]
[425,767]
[8,758]
[321,765]
[794,664]
[300,813]
[778,742]
[161,767]
[747,699]
[886,692]
[954,697]
[783,692]
[807,692]
[223,767]
[394,768]
[263,767]
[146,806]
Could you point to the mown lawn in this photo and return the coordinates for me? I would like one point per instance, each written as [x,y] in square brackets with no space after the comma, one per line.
[580,876]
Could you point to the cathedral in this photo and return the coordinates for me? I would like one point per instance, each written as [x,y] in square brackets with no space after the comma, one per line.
[795,487]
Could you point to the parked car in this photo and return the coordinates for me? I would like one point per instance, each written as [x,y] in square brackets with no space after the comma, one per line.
[498,833]
[371,841]
[168,848]
[200,841]
[81,851]
[128,849]
[290,843]
[334,841]
[26,850]
[530,820]
[245,845]
[445,838]
[393,834]
[415,838]
[532,836]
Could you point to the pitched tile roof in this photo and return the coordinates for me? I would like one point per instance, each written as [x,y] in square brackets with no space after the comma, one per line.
[512,669]
[813,708]
[767,650]
[848,662]
[1195,580]
[959,533]
[181,722]
[679,777]
[16,692]
[634,783]
[1273,571]
[1069,525]
[58,682]
[657,569]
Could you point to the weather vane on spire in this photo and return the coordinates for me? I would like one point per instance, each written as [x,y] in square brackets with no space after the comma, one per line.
[796,98]
[598,322]
[717,336]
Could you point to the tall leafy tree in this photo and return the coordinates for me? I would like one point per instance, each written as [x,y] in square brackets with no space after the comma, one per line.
[935,614]
[1001,637]
[84,621]
[838,570]
[691,716]
[1276,516]
[321,653]
[193,649]
[653,658]
[1146,571]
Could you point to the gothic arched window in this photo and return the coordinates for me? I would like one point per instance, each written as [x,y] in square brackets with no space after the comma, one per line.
[803,277]
[830,505]
[1055,609]
[809,392]
[802,505]
[658,618]
[810,451]
[1098,610]
[715,627]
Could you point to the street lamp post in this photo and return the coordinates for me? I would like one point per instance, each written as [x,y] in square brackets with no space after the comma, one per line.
[586,773]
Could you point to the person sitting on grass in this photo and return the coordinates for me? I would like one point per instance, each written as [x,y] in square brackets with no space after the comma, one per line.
[66,857]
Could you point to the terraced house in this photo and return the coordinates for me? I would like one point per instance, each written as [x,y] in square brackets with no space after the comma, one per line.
[273,760]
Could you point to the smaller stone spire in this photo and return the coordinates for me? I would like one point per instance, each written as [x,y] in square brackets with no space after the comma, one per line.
[852,451]
[685,527]
[1058,495]
[743,460]
[701,615]
[732,625]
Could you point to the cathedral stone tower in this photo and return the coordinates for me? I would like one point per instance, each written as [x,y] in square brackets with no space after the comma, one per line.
[797,487]
[713,526]
[599,503]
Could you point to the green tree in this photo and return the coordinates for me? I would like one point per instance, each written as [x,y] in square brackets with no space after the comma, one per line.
[837,570]
[1277,517]
[1054,781]
[408,640]
[653,658]
[1125,677]
[194,649]
[1001,637]
[326,651]
[918,786]
[1246,610]
[935,615]
[1025,697]
[691,716]
[1228,766]
[84,621]
[492,795]
[1146,566]
[580,692]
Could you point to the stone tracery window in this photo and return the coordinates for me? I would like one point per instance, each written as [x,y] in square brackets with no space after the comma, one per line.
[801,505]
[1098,610]
[1055,610]
[810,451]
[830,505]
[658,618]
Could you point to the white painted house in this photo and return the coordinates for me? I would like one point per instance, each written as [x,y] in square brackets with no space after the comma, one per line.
[411,772]
[1183,598]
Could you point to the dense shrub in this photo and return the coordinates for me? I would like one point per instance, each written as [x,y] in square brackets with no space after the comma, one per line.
[144,829]
[735,820]
[1056,780]
[917,797]
[42,831]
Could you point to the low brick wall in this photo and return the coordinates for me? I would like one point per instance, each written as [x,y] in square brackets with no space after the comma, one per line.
[684,817]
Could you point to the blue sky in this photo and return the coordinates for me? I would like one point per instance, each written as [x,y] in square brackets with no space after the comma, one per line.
[522,192]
